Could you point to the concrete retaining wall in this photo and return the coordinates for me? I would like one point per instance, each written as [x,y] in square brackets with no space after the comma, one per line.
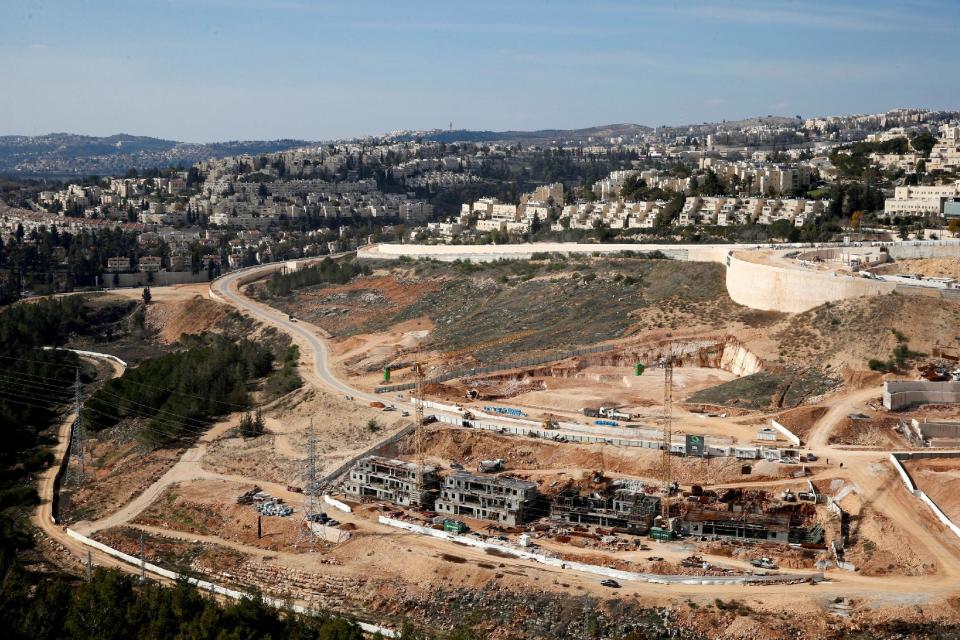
[159,279]
[606,572]
[900,394]
[212,587]
[929,249]
[776,288]
[789,435]
[895,458]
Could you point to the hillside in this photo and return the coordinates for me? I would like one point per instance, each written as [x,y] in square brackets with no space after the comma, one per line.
[853,331]
[495,310]
[67,154]
[626,130]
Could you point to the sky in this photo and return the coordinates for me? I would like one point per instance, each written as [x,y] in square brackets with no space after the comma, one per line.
[214,70]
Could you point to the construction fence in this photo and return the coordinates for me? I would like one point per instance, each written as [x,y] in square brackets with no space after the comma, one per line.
[476,371]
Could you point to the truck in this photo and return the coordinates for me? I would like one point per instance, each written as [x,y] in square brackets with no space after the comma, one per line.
[489,466]
[613,413]
[590,412]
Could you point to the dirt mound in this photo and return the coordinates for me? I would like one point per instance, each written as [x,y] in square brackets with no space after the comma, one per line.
[929,267]
[173,318]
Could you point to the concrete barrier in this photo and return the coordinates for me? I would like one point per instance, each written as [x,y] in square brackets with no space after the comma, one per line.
[212,587]
[606,572]
[336,504]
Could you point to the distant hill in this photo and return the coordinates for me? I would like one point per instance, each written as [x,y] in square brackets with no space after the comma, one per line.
[68,154]
[542,135]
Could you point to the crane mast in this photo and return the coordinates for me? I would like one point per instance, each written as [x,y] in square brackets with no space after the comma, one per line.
[667,436]
[418,435]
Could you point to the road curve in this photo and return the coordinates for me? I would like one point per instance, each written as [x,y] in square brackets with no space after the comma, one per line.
[226,288]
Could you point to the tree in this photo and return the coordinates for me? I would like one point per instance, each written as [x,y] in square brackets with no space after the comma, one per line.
[147,296]
[923,143]
[251,426]
[953,226]
[855,218]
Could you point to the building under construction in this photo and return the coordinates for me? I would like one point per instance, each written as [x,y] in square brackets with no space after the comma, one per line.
[629,508]
[507,501]
[751,515]
[379,478]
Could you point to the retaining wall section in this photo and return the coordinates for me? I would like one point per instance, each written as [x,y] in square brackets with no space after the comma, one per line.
[606,572]
[789,435]
[778,288]
[908,482]
[212,587]
[900,394]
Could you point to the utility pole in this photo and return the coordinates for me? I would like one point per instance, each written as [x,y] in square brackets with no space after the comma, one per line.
[89,566]
[311,490]
[76,433]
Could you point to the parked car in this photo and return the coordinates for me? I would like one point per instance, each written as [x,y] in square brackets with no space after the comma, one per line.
[613,584]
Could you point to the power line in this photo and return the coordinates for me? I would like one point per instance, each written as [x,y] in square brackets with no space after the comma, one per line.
[133,382]
[77,433]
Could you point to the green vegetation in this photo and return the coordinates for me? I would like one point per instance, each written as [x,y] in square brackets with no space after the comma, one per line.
[517,306]
[252,426]
[327,272]
[34,385]
[181,392]
[112,606]
[285,379]
[854,160]
[767,389]
[901,354]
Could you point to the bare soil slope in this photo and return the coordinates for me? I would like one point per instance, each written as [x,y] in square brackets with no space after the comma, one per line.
[853,331]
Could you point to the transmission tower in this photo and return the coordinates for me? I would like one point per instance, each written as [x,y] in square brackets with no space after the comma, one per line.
[667,436]
[76,434]
[418,435]
[311,490]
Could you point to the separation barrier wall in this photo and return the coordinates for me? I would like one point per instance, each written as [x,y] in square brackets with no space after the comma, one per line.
[900,394]
[606,572]
[896,458]
[474,371]
[212,587]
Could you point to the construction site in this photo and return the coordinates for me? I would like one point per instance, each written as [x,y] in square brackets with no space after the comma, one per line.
[685,463]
